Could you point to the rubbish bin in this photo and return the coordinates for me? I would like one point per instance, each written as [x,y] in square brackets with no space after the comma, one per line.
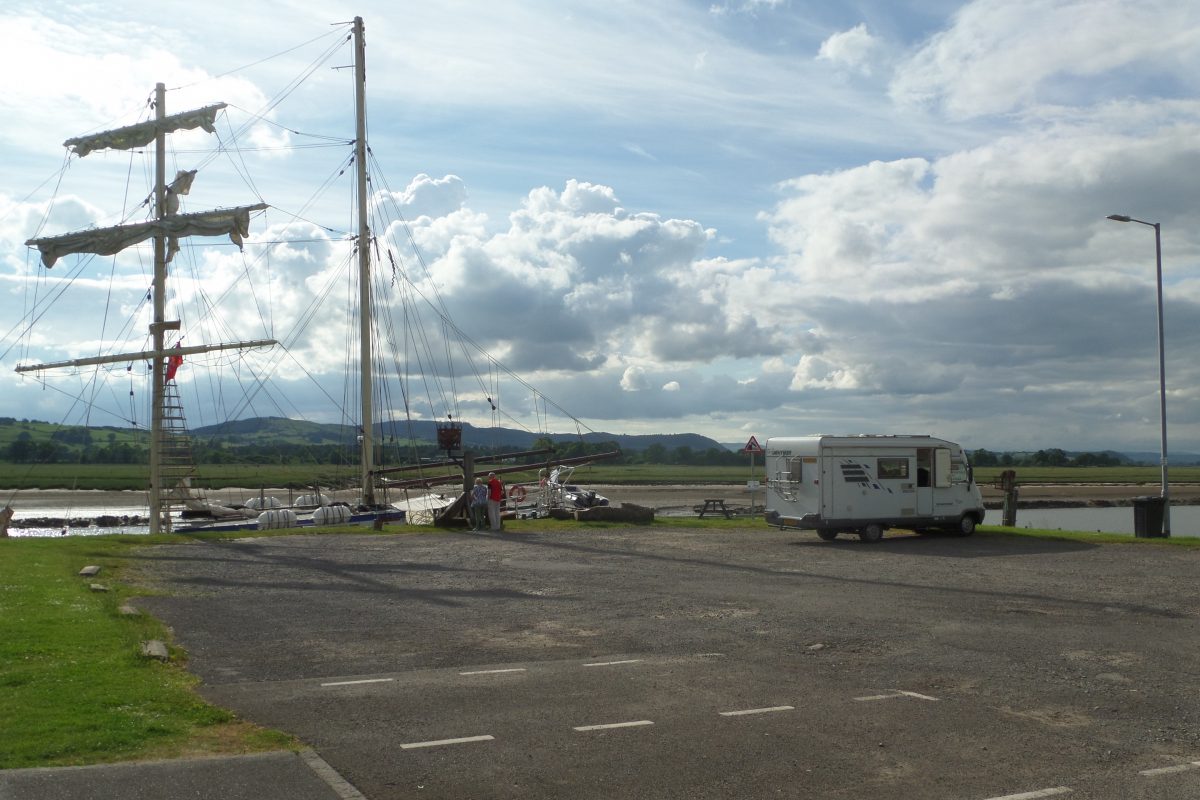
[1147,516]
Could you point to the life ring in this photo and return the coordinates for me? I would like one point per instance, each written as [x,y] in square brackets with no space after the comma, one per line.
[516,493]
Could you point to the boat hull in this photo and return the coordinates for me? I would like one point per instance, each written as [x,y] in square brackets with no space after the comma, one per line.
[361,518]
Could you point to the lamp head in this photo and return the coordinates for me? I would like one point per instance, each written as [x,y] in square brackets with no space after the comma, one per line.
[1120,217]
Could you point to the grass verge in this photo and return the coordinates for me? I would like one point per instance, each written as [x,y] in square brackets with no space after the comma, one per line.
[74,687]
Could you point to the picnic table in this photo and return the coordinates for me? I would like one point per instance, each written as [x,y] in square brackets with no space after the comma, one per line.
[714,506]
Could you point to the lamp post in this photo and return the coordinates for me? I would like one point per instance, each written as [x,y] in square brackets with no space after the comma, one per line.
[1162,370]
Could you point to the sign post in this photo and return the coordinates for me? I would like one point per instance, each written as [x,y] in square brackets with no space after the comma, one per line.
[752,447]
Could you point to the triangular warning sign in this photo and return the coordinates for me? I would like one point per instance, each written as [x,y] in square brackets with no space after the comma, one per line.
[752,446]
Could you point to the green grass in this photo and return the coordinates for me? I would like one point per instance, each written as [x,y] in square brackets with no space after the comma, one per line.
[135,476]
[1148,475]
[74,688]
[43,431]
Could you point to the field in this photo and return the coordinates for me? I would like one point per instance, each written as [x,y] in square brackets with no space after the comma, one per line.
[215,476]
[12,430]
[134,476]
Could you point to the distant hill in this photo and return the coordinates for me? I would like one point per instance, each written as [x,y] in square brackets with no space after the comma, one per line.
[290,431]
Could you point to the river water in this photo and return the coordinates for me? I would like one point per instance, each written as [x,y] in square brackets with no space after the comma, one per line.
[1185,520]
[81,513]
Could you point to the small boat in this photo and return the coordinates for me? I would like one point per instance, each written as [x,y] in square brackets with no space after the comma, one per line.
[571,495]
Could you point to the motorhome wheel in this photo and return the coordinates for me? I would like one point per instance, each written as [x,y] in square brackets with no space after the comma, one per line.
[966,525]
[828,536]
[871,533]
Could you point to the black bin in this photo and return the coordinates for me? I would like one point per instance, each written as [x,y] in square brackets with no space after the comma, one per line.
[1148,516]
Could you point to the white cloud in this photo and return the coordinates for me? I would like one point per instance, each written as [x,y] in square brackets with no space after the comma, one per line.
[105,78]
[1021,207]
[428,197]
[634,380]
[671,386]
[853,50]
[590,280]
[1001,55]
[744,6]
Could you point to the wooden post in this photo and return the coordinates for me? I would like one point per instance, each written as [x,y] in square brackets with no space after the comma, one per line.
[753,492]
[752,447]
[1008,482]
[468,467]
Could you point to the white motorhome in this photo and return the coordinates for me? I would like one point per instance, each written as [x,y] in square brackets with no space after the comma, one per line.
[868,483]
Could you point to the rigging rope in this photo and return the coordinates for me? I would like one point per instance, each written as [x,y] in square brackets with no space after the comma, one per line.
[236,70]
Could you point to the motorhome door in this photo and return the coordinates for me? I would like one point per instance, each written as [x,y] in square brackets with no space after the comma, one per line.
[924,481]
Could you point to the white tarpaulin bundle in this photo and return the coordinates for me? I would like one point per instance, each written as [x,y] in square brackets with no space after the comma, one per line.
[231,222]
[143,133]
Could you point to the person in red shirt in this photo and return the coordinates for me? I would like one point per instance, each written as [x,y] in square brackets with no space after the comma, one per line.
[495,498]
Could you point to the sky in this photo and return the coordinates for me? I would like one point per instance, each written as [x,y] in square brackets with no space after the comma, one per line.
[749,217]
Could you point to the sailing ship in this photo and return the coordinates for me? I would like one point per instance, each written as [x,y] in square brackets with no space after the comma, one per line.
[172,495]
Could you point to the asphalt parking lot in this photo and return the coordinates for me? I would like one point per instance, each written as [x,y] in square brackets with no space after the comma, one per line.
[677,663]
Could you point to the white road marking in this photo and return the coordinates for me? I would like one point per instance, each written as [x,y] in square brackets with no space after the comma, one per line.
[356,683]
[893,695]
[614,725]
[493,671]
[1057,790]
[341,787]
[756,711]
[440,742]
[1177,768]
[613,663]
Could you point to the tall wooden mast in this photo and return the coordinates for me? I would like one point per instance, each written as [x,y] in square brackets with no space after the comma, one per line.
[364,267]
[158,363]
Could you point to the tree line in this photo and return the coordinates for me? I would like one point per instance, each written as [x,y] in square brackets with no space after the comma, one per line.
[70,447]
[26,450]
[1053,457]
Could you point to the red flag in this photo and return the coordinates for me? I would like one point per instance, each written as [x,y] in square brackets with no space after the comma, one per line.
[173,363]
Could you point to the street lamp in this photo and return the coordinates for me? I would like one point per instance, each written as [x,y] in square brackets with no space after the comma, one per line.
[1162,370]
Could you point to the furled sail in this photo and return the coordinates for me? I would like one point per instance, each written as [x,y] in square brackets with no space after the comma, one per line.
[232,222]
[143,133]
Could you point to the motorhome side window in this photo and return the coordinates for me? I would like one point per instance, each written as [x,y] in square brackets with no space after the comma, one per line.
[892,468]
[958,471]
